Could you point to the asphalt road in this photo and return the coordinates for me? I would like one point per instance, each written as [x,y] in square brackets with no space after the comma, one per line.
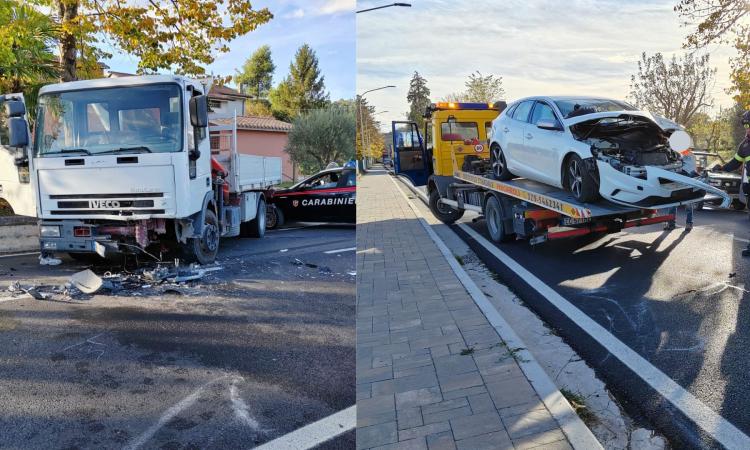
[250,353]
[678,299]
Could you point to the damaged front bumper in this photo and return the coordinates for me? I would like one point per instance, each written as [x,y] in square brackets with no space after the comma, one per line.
[660,189]
[74,236]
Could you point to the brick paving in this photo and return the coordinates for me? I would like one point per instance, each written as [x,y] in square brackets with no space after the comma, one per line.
[431,371]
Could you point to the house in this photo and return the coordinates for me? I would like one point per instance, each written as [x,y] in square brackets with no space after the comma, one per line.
[224,102]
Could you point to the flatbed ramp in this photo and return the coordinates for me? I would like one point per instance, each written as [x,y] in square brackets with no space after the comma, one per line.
[546,196]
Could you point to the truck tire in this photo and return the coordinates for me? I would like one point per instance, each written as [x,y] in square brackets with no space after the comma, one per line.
[255,228]
[579,181]
[499,166]
[494,217]
[203,250]
[444,213]
[274,217]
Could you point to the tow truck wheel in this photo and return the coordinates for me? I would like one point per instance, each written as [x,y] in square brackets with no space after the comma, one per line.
[256,228]
[274,217]
[579,180]
[444,213]
[203,250]
[494,216]
[499,167]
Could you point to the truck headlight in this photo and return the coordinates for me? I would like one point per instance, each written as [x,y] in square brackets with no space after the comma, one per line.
[50,231]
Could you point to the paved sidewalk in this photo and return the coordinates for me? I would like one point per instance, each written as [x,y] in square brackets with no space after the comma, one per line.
[431,371]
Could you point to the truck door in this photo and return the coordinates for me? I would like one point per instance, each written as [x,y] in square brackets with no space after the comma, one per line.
[409,156]
[15,175]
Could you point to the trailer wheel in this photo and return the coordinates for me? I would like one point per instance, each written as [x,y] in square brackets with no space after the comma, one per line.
[274,217]
[499,166]
[444,213]
[494,216]
[579,181]
[203,250]
[256,228]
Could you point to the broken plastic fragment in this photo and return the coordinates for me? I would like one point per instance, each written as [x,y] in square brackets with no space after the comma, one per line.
[86,281]
[49,261]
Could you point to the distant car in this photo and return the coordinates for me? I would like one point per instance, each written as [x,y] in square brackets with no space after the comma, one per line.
[594,147]
[328,196]
[387,162]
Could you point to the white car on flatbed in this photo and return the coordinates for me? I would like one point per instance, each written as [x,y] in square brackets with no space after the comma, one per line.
[594,147]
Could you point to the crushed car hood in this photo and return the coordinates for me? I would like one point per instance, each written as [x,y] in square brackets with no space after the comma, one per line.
[609,114]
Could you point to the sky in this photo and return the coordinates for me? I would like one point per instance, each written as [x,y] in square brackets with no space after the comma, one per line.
[576,47]
[328,26]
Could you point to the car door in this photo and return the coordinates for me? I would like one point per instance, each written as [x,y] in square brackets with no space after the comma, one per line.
[315,199]
[544,142]
[346,202]
[16,186]
[514,129]
[409,156]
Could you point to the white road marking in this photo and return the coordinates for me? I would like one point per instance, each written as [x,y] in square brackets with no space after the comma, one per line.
[712,423]
[241,410]
[315,433]
[10,255]
[169,414]
[341,250]
[579,435]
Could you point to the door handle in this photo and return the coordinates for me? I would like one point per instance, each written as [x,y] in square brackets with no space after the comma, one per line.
[529,136]
[506,129]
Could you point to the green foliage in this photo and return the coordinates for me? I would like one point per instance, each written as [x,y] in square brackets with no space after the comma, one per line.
[321,136]
[479,88]
[302,90]
[676,89]
[256,76]
[418,98]
[260,108]
[373,144]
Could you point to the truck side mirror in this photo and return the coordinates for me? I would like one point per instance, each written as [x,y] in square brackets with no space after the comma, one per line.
[15,108]
[199,111]
[18,131]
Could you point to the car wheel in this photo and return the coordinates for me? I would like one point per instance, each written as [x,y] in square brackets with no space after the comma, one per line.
[444,213]
[494,216]
[499,167]
[274,217]
[579,180]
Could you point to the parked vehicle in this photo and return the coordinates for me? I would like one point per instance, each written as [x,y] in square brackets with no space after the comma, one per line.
[594,147]
[729,182]
[328,196]
[124,164]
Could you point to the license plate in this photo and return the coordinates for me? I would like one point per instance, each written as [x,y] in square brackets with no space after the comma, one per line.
[568,221]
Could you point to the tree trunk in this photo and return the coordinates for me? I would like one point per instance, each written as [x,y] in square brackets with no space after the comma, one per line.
[68,11]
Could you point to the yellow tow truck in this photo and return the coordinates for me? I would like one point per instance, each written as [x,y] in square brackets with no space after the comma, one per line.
[451,157]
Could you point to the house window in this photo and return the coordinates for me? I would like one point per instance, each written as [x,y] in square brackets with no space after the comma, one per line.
[215,144]
[214,104]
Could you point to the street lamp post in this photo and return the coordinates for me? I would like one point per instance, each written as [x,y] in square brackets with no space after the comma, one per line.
[407,5]
[361,116]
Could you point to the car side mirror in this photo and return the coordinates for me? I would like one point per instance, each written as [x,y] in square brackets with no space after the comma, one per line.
[18,131]
[199,111]
[15,108]
[548,125]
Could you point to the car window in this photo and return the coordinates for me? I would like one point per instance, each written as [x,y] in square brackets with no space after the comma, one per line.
[459,131]
[543,112]
[509,112]
[522,111]
[348,178]
[325,181]
[428,136]
[488,129]
[582,106]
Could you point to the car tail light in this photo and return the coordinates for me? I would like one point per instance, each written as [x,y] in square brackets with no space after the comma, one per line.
[81,231]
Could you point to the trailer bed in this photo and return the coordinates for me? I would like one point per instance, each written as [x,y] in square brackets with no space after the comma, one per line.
[546,196]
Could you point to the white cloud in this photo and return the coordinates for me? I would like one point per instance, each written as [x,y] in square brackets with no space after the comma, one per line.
[336,6]
[296,14]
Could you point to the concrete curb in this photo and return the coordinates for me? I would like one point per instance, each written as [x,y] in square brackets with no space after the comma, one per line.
[18,234]
[578,434]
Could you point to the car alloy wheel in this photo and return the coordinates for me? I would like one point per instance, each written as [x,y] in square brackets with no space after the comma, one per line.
[576,178]
[498,162]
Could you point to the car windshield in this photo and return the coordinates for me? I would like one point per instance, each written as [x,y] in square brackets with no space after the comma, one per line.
[582,106]
[140,119]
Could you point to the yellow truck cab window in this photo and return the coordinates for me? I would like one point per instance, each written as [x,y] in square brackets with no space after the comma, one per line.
[428,136]
[458,131]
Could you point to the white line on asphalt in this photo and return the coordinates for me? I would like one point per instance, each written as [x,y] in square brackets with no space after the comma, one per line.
[18,254]
[579,435]
[341,250]
[315,433]
[712,423]
[168,415]
[241,410]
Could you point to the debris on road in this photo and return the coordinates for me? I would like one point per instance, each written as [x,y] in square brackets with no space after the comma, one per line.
[49,261]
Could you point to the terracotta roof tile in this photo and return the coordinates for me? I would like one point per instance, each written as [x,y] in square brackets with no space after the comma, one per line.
[257,123]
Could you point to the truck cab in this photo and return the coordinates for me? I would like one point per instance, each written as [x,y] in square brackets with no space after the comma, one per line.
[119,165]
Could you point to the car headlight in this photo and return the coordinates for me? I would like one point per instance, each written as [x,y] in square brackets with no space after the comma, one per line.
[50,231]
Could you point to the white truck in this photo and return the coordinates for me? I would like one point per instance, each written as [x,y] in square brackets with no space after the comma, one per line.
[125,165]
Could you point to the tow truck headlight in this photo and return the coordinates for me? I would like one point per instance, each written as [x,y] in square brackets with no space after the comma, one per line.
[50,231]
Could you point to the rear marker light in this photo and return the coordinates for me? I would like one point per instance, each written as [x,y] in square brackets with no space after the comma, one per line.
[81,231]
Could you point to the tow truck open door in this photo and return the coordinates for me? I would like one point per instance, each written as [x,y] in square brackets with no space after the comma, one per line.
[15,183]
[409,156]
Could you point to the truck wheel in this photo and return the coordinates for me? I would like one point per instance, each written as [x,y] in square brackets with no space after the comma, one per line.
[203,250]
[444,213]
[579,180]
[256,228]
[495,219]
[499,167]
[274,217]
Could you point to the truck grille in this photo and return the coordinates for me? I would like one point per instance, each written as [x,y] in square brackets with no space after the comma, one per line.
[87,196]
[106,204]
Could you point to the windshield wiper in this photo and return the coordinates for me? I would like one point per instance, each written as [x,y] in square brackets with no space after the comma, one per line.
[68,150]
[140,148]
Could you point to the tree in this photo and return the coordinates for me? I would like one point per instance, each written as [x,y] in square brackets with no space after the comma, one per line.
[728,22]
[418,98]
[484,89]
[373,144]
[179,35]
[321,136]
[303,89]
[677,89]
[256,76]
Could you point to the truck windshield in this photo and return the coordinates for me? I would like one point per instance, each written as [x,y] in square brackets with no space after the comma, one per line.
[133,119]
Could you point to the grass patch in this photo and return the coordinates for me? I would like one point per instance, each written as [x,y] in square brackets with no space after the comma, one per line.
[460,259]
[467,351]
[578,403]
